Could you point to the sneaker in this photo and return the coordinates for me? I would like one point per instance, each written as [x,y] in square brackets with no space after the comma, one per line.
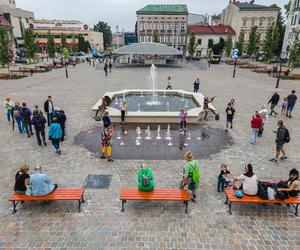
[226,130]
[40,144]
[45,144]
[274,160]
[28,136]
[59,151]
[110,160]
[283,157]
[102,157]
[193,200]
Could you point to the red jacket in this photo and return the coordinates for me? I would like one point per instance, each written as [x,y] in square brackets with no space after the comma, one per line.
[256,122]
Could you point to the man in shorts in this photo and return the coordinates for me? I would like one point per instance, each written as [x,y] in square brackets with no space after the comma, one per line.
[292,99]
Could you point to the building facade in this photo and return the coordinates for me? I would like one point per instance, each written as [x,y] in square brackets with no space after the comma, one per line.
[292,25]
[19,20]
[194,19]
[68,28]
[129,38]
[205,33]
[166,24]
[242,16]
[215,20]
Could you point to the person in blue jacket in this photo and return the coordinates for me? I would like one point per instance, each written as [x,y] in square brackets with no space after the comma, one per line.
[55,134]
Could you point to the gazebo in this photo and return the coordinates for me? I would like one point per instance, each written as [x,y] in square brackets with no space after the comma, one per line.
[147,54]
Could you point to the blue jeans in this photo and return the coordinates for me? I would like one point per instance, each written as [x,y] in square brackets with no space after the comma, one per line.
[20,124]
[49,118]
[28,128]
[55,143]
[221,184]
[9,116]
[254,133]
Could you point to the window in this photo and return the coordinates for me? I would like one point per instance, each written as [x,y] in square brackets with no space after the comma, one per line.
[295,21]
[169,26]
[162,26]
[252,22]
[142,39]
[169,39]
[162,39]
[182,26]
[149,39]
[244,22]
[261,22]
[142,26]
[155,26]
[199,41]
[182,39]
[176,26]
[149,25]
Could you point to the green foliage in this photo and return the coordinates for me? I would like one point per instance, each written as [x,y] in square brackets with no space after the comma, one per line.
[210,43]
[218,47]
[253,41]
[30,44]
[106,30]
[240,43]
[228,45]
[50,47]
[155,38]
[74,47]
[63,41]
[287,8]
[83,45]
[281,32]
[4,47]
[271,42]
[295,51]
[192,44]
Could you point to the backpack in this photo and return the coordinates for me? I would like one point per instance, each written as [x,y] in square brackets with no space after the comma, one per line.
[271,193]
[262,191]
[238,194]
[145,180]
[286,136]
[195,174]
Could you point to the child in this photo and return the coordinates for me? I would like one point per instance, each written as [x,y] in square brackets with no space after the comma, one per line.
[230,111]
[169,83]
[182,118]
[284,105]
[222,177]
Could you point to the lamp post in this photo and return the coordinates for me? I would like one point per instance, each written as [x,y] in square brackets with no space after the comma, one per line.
[283,56]
[66,56]
[235,57]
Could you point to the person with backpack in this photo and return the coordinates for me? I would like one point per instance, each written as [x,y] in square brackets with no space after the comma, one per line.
[293,184]
[26,114]
[55,134]
[145,179]
[39,121]
[249,181]
[191,175]
[8,105]
[282,137]
[17,117]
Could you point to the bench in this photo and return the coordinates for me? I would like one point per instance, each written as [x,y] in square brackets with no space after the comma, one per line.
[231,198]
[59,194]
[155,195]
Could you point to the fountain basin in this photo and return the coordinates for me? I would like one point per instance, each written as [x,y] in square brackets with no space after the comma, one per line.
[159,113]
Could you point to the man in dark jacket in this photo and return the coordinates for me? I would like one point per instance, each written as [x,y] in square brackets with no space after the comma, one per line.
[282,136]
[39,121]
[49,109]
[274,101]
[62,121]
[25,114]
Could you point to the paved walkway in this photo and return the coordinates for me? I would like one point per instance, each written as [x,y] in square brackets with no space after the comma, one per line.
[149,225]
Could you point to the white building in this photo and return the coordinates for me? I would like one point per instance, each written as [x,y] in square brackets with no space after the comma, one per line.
[292,25]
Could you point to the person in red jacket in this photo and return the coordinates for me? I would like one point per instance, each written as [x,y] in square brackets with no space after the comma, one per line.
[256,123]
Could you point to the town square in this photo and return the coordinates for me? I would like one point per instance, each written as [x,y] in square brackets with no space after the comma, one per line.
[154,142]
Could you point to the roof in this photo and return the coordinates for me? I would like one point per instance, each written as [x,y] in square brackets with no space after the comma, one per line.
[216,17]
[252,6]
[4,22]
[146,49]
[214,29]
[163,9]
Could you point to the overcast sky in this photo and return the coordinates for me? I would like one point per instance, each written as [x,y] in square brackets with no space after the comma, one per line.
[116,12]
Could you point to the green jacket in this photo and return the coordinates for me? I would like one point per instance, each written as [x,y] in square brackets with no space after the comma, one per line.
[188,172]
[147,172]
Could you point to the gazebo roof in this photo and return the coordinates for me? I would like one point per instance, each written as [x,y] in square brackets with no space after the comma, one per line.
[147,49]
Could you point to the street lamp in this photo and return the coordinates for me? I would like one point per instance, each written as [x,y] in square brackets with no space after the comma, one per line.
[283,56]
[235,57]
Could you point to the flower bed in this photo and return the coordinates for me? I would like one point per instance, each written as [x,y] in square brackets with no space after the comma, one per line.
[263,70]
[291,77]
[7,76]
[231,62]
[251,66]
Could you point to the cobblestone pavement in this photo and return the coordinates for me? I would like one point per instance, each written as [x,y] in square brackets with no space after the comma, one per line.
[145,225]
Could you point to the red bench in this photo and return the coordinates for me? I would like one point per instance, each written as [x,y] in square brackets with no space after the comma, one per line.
[155,195]
[58,194]
[231,198]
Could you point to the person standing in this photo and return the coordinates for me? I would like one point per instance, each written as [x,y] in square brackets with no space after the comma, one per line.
[105,68]
[17,116]
[39,121]
[274,102]
[49,109]
[26,114]
[230,112]
[55,134]
[110,66]
[182,118]
[256,123]
[62,121]
[196,85]
[107,133]
[106,119]
[191,175]
[124,110]
[8,105]
[292,99]
[169,86]
[282,137]
[265,118]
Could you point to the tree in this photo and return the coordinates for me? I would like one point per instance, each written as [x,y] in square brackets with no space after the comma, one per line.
[63,41]
[240,43]
[210,43]
[192,44]
[271,42]
[87,46]
[81,44]
[74,47]
[218,47]
[30,44]
[155,38]
[106,30]
[50,47]
[253,41]
[228,45]
[287,8]
[5,57]
[295,51]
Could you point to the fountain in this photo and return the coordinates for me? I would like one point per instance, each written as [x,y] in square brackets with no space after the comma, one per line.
[138,132]
[182,97]
[148,134]
[139,107]
[137,142]
[168,106]
[189,137]
[124,99]
[142,94]
[118,135]
[122,143]
[116,101]
[168,133]
[165,94]
[158,137]
[153,75]
[186,105]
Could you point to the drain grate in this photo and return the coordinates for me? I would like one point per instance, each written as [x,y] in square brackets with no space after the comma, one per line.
[98,181]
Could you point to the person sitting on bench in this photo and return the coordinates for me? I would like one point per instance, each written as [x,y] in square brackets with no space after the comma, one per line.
[22,179]
[145,179]
[293,184]
[249,180]
[40,183]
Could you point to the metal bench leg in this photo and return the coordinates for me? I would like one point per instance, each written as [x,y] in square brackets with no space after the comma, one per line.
[15,206]
[229,205]
[123,203]
[79,206]
[296,209]
[82,199]
[186,207]
[226,201]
